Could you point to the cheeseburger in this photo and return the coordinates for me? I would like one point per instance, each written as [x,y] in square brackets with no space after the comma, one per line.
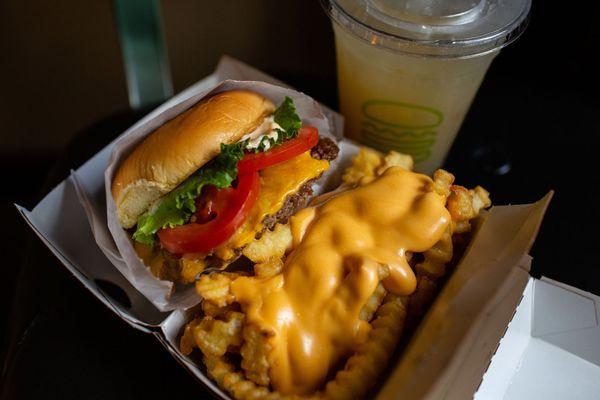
[209,182]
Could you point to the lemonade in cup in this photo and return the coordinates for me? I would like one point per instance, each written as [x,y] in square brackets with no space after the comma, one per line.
[408,70]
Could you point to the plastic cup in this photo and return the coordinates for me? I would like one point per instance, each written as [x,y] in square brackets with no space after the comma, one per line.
[408,70]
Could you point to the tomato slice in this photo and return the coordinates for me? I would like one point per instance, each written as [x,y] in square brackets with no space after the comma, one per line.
[208,204]
[228,209]
[220,212]
[307,138]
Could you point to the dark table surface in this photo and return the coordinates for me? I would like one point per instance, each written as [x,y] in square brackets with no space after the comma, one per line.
[65,344]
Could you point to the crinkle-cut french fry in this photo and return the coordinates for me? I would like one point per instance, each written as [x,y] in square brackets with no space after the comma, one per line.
[226,253]
[441,252]
[214,337]
[191,268]
[461,226]
[395,159]
[254,353]
[369,163]
[164,268]
[429,271]
[215,288]
[363,368]
[187,341]
[373,303]
[433,270]
[234,382]
[480,198]
[211,310]
[460,204]
[464,205]
[363,165]
[272,244]
[435,259]
[423,296]
[268,268]
[442,180]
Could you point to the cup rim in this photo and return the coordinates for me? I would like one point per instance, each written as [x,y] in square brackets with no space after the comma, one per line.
[428,48]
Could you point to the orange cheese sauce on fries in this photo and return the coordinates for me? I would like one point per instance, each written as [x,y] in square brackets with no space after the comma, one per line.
[310,312]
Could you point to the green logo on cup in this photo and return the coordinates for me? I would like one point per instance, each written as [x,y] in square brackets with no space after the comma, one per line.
[407,128]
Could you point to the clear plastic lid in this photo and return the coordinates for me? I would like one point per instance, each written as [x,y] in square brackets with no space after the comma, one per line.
[438,28]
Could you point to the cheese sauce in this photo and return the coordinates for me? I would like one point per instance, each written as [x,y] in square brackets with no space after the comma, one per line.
[310,312]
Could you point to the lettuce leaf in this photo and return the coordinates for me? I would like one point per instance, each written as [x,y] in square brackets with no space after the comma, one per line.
[286,117]
[177,207]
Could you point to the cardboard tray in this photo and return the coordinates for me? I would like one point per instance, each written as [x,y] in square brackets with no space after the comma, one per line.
[463,334]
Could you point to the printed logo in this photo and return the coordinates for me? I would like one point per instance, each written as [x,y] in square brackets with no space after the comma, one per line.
[407,128]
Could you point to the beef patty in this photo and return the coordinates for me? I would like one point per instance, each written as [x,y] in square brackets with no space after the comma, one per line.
[326,149]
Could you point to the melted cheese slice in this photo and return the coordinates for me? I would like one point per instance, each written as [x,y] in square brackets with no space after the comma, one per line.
[276,183]
[312,309]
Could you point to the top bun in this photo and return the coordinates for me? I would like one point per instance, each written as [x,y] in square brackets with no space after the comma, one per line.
[170,154]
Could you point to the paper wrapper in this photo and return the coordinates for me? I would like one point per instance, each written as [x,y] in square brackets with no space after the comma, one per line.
[114,241]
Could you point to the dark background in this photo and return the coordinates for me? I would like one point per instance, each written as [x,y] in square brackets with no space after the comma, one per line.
[64,97]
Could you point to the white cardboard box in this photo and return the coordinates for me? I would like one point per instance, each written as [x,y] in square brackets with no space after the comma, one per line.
[464,347]
[551,349]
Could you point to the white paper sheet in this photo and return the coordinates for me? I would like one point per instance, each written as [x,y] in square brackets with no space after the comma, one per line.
[100,207]
[550,349]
